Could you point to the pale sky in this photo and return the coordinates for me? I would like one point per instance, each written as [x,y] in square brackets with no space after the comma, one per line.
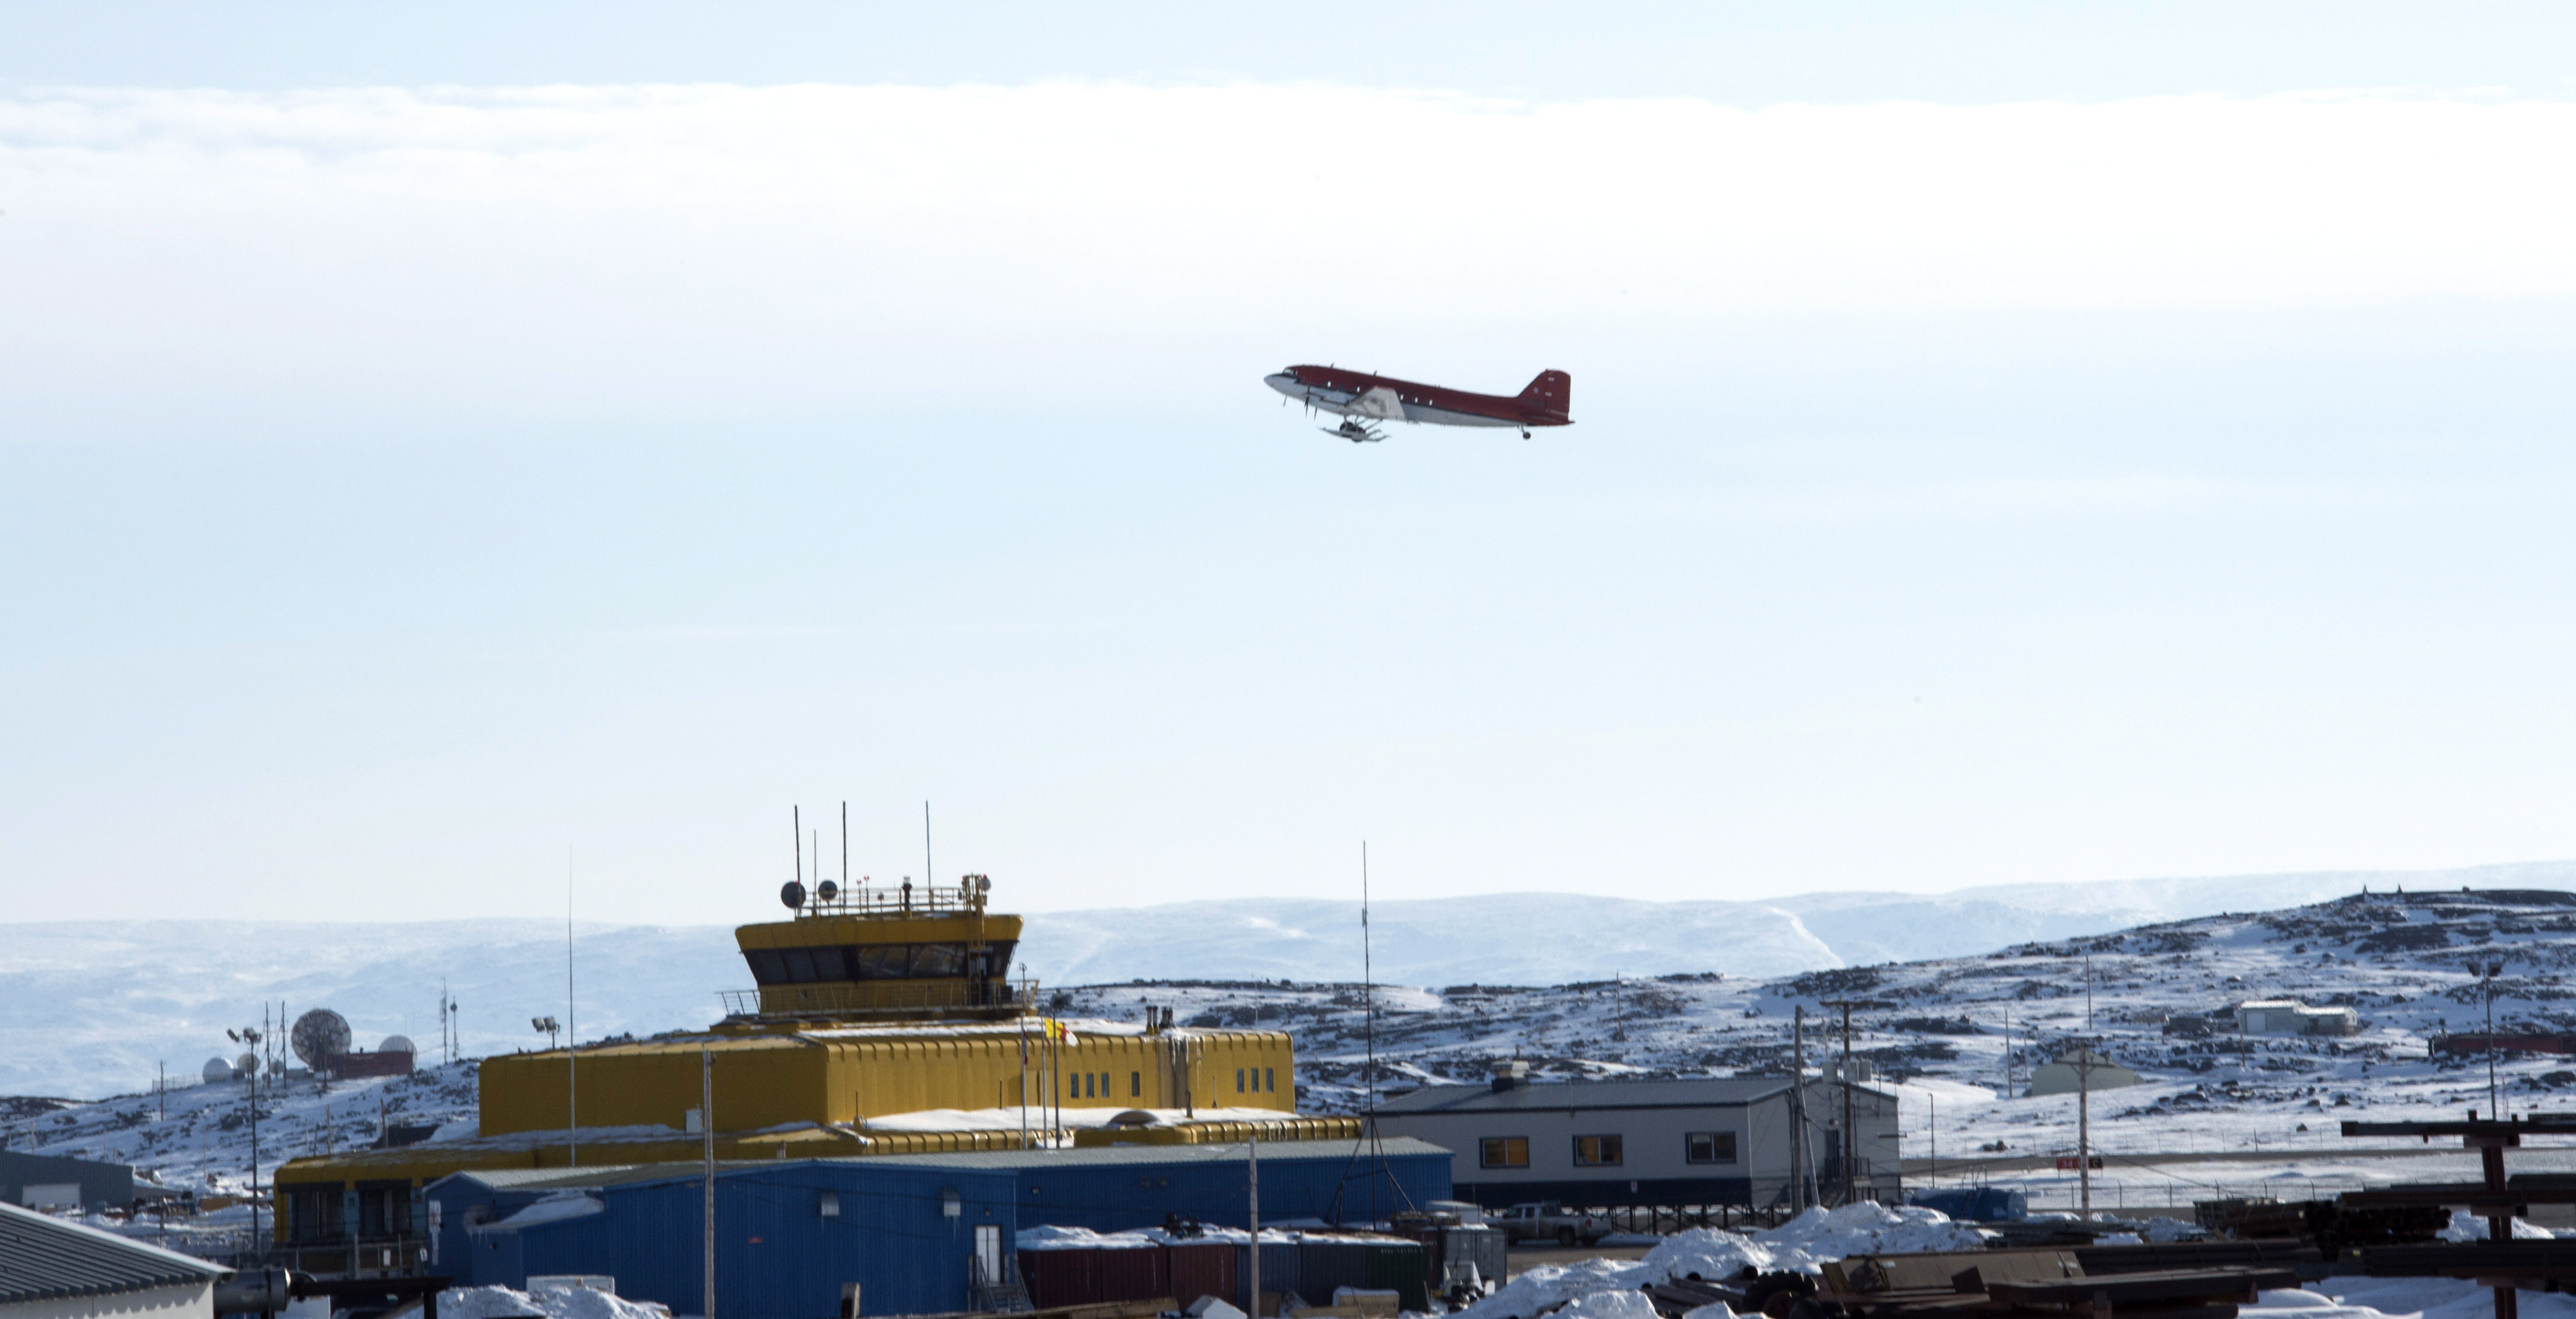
[2015,443]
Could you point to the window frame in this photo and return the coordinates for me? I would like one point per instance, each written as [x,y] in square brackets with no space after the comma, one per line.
[1721,1145]
[1611,1142]
[1486,1148]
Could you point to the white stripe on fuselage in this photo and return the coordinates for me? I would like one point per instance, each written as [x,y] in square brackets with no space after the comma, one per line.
[1344,402]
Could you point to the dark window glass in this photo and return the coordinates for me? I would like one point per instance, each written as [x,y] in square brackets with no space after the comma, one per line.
[1503,1151]
[767,967]
[828,964]
[800,965]
[1135,1085]
[1710,1146]
[882,961]
[939,961]
[1596,1151]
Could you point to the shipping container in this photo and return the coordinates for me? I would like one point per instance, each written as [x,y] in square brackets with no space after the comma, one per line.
[1095,1275]
[1193,1270]
[1401,1267]
[1279,1273]
[1327,1263]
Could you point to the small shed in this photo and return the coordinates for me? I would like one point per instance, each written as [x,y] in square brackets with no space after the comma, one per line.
[2083,1069]
[2285,1016]
[51,1269]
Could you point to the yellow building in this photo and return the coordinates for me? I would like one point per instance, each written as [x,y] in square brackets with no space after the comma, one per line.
[883,1023]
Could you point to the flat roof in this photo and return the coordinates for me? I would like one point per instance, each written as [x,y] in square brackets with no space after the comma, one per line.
[576,1179]
[1539,1096]
[43,1259]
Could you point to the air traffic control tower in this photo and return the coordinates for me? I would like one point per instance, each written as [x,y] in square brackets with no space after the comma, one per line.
[883,1021]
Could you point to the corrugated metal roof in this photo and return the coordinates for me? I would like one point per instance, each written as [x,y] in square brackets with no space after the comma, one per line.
[43,1259]
[1706,1092]
[568,1179]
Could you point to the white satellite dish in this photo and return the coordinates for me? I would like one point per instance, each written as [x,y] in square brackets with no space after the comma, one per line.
[216,1070]
[320,1036]
[396,1044]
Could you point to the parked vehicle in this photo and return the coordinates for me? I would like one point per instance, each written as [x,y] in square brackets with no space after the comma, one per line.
[1550,1221]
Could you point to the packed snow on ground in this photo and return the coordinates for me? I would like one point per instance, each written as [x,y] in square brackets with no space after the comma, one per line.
[2403,1298]
[552,1302]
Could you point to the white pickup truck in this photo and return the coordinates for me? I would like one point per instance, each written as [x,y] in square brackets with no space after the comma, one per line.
[1550,1221]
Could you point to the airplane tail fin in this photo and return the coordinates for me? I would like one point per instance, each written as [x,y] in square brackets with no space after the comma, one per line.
[1551,392]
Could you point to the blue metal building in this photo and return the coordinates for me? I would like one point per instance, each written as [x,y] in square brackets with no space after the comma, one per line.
[794,1237]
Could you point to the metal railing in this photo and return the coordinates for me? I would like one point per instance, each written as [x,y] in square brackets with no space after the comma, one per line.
[881,998]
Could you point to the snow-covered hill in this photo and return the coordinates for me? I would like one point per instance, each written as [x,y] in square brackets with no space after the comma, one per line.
[91,1008]
[2261,1112]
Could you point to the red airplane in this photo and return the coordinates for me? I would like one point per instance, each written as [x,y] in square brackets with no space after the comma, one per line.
[1363,400]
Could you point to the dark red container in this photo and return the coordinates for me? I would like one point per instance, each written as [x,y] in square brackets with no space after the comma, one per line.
[1092,1277]
[1200,1269]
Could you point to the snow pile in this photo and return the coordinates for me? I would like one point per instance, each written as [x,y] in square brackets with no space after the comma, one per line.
[1864,1228]
[1802,1244]
[2161,1230]
[1609,1305]
[1708,1252]
[553,1303]
[2466,1226]
[1535,1291]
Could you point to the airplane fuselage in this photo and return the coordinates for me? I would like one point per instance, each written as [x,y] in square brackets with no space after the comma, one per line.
[1384,398]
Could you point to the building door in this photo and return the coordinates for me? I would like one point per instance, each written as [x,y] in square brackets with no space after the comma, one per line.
[988,1252]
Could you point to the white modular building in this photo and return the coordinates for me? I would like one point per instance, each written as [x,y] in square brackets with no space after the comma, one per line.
[1706,1141]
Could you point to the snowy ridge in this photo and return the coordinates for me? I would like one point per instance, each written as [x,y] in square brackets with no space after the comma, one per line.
[90,1008]
[2217,1112]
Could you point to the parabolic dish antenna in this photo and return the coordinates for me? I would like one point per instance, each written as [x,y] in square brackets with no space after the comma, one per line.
[320,1035]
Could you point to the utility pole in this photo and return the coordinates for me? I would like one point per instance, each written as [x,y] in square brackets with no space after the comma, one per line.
[1252,1163]
[1798,1172]
[707,1127]
[1851,1133]
[2084,1096]
[2495,1107]
[2084,1124]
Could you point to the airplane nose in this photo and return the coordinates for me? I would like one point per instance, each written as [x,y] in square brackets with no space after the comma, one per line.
[1283,382]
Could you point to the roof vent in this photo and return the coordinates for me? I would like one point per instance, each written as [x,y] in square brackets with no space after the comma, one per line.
[1511,1075]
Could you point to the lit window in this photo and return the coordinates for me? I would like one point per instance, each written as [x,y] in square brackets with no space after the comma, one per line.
[1710,1146]
[1596,1151]
[1503,1152]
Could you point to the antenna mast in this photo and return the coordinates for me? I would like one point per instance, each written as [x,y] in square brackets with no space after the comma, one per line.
[572,1033]
[929,875]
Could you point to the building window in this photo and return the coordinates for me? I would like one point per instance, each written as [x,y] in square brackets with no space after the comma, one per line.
[1270,1080]
[1238,1080]
[1596,1151]
[1135,1085]
[1503,1152]
[1710,1146]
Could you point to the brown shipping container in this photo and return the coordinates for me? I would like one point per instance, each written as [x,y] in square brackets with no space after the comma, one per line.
[1205,1269]
[1092,1277]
